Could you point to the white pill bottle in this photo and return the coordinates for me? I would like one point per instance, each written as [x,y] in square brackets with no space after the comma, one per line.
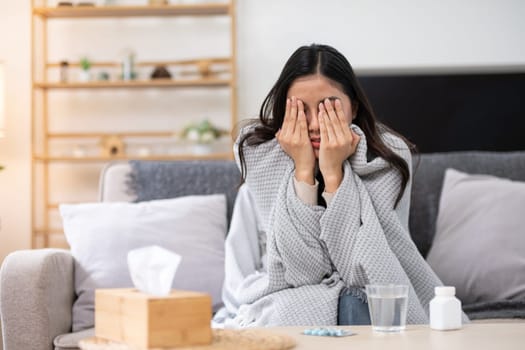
[445,309]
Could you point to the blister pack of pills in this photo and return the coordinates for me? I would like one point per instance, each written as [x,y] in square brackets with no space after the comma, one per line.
[328,332]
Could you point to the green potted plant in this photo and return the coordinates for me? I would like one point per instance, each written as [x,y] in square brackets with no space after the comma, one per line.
[85,73]
[201,134]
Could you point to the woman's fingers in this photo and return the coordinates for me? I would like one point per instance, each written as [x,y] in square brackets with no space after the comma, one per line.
[338,119]
[302,127]
[341,117]
[294,141]
[328,124]
[322,125]
[289,119]
[343,121]
[294,131]
[292,117]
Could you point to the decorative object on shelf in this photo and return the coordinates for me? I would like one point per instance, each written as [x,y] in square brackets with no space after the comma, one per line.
[127,65]
[112,146]
[64,66]
[195,1]
[64,3]
[160,72]
[144,151]
[204,68]
[86,3]
[158,2]
[79,151]
[85,73]
[203,132]
[103,76]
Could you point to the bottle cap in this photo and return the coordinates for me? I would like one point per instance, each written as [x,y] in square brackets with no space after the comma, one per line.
[445,291]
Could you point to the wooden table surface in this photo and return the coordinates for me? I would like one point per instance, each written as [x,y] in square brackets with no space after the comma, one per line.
[475,336]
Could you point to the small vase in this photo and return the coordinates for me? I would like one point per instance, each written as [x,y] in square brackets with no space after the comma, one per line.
[201,148]
[85,76]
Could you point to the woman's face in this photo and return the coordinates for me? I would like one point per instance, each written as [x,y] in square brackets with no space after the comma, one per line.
[312,90]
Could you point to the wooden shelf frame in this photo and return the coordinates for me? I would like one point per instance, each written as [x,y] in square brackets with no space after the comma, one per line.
[208,60]
[222,74]
[205,9]
[123,134]
[46,232]
[131,84]
[76,135]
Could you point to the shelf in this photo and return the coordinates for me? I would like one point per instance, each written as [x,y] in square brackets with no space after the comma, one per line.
[211,9]
[159,83]
[188,156]
[63,135]
[130,134]
[197,61]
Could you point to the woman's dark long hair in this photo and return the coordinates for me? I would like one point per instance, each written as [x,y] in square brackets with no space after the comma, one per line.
[330,63]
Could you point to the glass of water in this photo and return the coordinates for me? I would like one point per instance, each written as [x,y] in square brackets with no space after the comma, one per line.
[387,305]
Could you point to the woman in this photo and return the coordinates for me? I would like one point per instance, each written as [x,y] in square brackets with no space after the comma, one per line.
[324,207]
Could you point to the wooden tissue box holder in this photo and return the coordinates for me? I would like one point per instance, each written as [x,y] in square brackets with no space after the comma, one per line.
[145,321]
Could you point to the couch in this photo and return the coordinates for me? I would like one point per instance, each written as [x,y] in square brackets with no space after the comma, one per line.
[37,286]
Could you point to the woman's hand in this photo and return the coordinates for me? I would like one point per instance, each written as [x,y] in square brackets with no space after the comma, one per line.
[295,141]
[338,143]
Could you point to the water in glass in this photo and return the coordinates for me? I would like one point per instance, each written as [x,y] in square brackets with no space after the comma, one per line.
[388,307]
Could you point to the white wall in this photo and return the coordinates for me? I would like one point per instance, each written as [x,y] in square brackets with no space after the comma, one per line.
[375,35]
[15,148]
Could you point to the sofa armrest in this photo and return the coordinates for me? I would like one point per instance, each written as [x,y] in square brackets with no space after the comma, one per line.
[36,297]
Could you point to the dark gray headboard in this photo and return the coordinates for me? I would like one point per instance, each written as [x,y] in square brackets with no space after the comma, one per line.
[452,112]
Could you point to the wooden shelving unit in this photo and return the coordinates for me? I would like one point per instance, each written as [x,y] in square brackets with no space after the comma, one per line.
[210,9]
[158,83]
[218,73]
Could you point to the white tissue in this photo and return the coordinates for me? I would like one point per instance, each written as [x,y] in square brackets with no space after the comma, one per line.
[152,269]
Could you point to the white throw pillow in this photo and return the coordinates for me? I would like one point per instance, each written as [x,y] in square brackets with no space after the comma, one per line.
[101,234]
[479,246]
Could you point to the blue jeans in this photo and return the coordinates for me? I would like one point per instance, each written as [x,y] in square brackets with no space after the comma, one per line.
[353,307]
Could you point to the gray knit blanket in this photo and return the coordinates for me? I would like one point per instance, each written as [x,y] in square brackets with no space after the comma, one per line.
[312,251]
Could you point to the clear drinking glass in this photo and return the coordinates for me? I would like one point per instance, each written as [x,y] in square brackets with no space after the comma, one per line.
[387,305]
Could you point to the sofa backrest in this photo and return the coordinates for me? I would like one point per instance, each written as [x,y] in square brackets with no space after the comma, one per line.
[148,180]
[141,180]
[113,183]
[428,176]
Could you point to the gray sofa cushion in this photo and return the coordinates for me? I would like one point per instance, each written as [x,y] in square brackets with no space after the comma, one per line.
[508,309]
[429,170]
[151,180]
[480,216]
